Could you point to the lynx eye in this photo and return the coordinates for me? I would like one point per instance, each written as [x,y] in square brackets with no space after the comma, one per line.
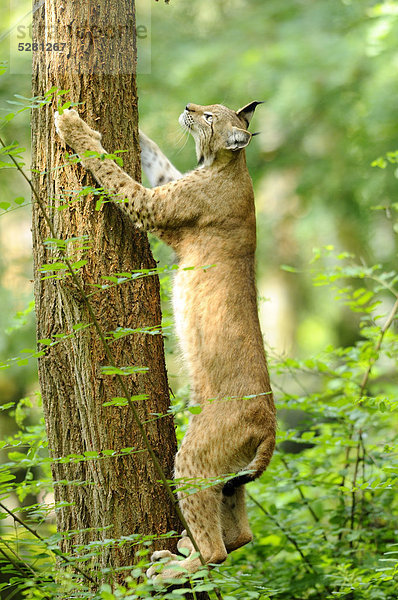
[208,117]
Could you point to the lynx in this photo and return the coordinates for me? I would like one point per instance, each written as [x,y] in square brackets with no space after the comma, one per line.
[207,216]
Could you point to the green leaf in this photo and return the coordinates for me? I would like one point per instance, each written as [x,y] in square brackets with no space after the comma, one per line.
[56,266]
[116,402]
[64,106]
[127,450]
[123,371]
[91,454]
[7,405]
[289,269]
[379,162]
[79,264]
[16,456]
[205,587]
[8,117]
[120,401]
[6,477]
[80,326]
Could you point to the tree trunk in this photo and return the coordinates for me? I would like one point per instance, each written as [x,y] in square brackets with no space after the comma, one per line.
[121,493]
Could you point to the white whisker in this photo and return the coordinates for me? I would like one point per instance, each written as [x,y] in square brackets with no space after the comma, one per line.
[185,142]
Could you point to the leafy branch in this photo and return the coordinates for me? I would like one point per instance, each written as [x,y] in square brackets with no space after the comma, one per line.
[362,389]
[308,566]
[55,551]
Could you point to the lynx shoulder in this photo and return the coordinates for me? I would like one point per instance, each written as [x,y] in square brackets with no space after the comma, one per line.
[208,218]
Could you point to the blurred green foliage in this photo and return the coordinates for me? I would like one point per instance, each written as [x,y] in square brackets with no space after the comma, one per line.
[325,515]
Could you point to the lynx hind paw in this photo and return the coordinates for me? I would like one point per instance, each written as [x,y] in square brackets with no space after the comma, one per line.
[174,567]
[168,575]
[160,555]
[69,122]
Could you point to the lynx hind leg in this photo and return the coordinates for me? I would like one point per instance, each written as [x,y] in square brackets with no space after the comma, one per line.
[155,164]
[235,524]
[201,508]
[202,511]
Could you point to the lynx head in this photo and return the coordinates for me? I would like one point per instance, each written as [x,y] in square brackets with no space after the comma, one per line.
[217,129]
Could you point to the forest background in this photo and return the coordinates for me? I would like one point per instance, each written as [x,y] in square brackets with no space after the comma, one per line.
[325,173]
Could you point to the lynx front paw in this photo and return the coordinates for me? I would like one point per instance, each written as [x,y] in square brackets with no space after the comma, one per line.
[74,131]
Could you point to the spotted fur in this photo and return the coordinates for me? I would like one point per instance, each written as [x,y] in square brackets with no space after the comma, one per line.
[208,218]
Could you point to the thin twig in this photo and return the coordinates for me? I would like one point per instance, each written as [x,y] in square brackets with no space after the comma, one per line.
[362,388]
[303,497]
[354,481]
[307,565]
[25,564]
[19,568]
[55,551]
[364,453]
[372,359]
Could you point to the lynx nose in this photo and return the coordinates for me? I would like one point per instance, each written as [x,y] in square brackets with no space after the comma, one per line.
[188,107]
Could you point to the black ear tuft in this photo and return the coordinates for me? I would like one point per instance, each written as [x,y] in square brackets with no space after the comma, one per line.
[248,111]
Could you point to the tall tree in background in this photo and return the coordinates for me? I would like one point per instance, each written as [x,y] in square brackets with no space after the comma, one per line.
[97,65]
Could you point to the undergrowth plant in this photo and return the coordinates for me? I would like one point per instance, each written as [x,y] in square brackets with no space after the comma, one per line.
[324,515]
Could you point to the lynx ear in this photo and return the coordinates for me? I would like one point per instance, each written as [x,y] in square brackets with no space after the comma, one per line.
[248,111]
[237,139]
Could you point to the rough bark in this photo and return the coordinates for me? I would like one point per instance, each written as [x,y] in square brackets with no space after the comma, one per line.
[118,492]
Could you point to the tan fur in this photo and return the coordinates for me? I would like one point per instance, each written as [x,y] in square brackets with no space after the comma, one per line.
[208,217]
